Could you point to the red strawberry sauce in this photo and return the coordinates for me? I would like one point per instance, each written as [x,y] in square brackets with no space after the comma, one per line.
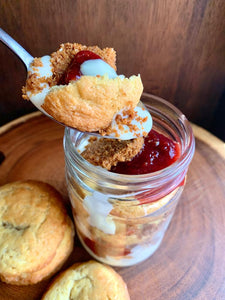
[73,71]
[158,153]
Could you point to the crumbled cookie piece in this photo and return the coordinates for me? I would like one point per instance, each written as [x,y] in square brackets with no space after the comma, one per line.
[127,118]
[108,152]
[63,56]
[35,83]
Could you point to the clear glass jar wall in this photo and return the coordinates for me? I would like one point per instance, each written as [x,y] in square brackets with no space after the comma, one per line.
[121,219]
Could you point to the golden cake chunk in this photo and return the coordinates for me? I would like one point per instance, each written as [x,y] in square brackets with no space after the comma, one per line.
[36,234]
[89,104]
[90,280]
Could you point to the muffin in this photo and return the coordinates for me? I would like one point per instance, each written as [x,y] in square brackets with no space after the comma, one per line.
[89,280]
[36,234]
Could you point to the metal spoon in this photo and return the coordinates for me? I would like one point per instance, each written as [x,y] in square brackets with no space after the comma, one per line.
[26,58]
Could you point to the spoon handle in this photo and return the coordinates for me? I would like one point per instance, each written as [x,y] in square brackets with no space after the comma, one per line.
[16,48]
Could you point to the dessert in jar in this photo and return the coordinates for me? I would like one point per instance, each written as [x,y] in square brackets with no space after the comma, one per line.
[123,193]
[121,219]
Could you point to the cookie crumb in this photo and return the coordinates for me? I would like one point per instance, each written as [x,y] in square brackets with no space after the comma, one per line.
[108,152]
[126,118]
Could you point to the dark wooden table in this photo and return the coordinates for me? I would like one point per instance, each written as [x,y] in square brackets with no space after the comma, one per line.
[190,263]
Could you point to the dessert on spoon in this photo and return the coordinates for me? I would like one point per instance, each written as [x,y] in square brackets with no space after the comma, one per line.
[78,87]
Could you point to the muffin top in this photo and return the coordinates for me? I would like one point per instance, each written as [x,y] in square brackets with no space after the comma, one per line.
[33,221]
[90,280]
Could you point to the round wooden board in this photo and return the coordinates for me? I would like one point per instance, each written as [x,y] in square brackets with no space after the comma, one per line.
[190,263]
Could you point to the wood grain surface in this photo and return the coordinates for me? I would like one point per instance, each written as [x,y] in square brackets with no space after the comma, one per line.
[177,46]
[190,262]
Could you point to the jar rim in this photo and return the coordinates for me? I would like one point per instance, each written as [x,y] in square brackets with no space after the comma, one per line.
[180,164]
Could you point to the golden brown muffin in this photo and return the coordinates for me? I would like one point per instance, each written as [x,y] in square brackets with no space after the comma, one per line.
[90,280]
[36,234]
[90,102]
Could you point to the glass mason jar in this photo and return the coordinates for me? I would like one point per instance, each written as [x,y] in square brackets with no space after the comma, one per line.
[121,219]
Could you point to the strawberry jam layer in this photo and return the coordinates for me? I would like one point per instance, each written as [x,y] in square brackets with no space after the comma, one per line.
[157,153]
[73,71]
